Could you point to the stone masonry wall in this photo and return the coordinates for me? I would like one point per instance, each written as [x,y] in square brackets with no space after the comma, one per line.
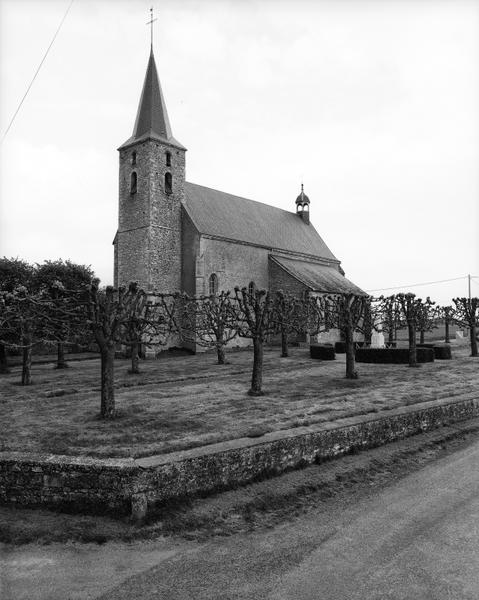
[280,280]
[149,223]
[137,486]
[235,265]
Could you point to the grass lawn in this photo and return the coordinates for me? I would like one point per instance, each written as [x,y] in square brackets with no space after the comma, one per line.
[183,402]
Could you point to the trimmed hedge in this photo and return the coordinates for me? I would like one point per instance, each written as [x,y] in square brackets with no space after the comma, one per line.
[393,355]
[322,351]
[340,347]
[441,352]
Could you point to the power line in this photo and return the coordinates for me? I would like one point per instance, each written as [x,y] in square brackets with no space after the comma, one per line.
[396,287]
[38,69]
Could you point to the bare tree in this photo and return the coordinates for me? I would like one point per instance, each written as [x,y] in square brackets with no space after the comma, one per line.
[289,317]
[27,318]
[447,313]
[254,316]
[210,321]
[14,272]
[110,314]
[73,278]
[350,310]
[427,316]
[390,317]
[412,309]
[467,314]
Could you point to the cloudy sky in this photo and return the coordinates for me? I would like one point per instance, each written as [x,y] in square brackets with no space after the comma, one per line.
[373,104]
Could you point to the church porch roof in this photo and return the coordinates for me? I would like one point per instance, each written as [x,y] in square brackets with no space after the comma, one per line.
[318,278]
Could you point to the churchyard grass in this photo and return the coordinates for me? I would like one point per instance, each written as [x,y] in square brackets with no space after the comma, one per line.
[180,402]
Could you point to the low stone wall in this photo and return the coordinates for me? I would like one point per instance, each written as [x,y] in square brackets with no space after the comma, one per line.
[127,486]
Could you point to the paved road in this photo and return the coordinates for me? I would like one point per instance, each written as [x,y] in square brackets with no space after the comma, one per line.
[417,539]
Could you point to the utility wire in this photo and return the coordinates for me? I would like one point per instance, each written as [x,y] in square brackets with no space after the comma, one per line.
[38,69]
[396,287]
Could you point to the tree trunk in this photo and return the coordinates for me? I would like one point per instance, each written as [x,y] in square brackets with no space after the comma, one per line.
[446,337]
[391,334]
[61,362]
[3,360]
[135,359]
[284,343]
[257,377]
[411,327]
[473,333]
[107,381]
[220,352]
[351,372]
[27,363]
[421,336]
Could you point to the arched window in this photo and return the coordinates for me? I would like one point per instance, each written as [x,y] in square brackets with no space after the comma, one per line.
[133,182]
[213,284]
[133,158]
[251,288]
[168,183]
[168,159]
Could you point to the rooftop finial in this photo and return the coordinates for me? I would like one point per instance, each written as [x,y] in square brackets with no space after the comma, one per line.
[150,23]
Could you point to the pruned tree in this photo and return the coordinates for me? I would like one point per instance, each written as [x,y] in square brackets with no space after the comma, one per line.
[28,317]
[210,321]
[73,279]
[110,314]
[467,314]
[14,272]
[412,309]
[350,310]
[390,317]
[427,316]
[447,313]
[289,316]
[318,314]
[254,317]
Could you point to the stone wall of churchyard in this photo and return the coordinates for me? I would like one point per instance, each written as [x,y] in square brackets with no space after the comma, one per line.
[127,486]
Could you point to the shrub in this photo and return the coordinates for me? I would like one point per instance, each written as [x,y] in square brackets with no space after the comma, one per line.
[392,355]
[340,347]
[441,352]
[322,351]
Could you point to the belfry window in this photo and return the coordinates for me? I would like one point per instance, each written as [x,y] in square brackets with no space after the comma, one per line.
[251,288]
[133,182]
[168,183]
[213,284]
[168,159]
[133,158]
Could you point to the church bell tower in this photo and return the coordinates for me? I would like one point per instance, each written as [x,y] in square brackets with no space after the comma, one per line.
[151,190]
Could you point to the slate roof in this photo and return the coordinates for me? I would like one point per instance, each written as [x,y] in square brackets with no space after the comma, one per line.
[152,117]
[318,278]
[231,217]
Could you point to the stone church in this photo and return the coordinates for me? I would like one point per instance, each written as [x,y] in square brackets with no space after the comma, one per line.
[179,236]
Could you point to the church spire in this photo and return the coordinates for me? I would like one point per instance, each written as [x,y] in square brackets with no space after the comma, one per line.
[152,117]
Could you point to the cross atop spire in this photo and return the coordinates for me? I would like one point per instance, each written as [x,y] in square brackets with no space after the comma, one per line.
[150,23]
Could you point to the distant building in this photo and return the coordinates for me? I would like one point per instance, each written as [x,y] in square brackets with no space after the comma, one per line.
[179,236]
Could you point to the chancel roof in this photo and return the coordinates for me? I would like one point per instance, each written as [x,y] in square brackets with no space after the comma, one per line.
[231,217]
[318,278]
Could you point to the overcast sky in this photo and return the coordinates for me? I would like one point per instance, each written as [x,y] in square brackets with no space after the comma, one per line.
[374,105]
